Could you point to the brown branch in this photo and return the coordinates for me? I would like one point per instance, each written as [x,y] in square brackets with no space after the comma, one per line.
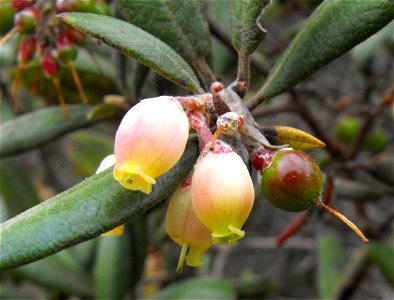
[222,37]
[369,121]
[303,110]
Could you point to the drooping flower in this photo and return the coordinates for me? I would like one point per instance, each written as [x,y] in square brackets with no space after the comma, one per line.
[150,140]
[222,193]
[185,229]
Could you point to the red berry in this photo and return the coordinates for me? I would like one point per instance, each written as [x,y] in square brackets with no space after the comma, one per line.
[293,181]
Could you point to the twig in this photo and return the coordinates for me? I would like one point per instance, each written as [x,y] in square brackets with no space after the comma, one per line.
[221,36]
[369,121]
[205,72]
[276,109]
[305,113]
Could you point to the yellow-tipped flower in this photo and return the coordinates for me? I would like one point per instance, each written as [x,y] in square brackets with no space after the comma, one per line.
[185,229]
[150,140]
[222,193]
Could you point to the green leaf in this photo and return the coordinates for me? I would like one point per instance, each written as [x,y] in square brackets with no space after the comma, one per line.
[383,257]
[86,149]
[17,190]
[200,288]
[39,127]
[88,209]
[113,267]
[57,272]
[118,262]
[136,43]
[181,24]
[335,27]
[332,260]
[246,31]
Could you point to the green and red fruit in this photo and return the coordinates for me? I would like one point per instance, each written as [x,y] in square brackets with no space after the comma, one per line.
[292,181]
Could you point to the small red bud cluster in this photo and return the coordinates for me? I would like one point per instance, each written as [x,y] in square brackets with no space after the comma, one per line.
[55,45]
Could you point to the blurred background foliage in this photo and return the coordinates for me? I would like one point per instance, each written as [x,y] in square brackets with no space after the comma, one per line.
[340,104]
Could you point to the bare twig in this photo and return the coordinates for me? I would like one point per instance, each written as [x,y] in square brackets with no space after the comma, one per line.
[225,40]
[369,121]
[272,110]
[306,114]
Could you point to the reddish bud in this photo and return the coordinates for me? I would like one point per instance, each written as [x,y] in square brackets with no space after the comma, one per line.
[26,20]
[65,48]
[19,5]
[49,64]
[27,49]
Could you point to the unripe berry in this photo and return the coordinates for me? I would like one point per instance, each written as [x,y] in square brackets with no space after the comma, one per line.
[347,129]
[150,140]
[185,229]
[292,181]
[223,193]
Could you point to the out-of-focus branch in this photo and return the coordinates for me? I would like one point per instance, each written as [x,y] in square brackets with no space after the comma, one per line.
[388,98]
[221,36]
[307,116]
[275,109]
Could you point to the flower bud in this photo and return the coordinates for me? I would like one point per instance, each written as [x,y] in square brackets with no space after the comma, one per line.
[27,49]
[26,20]
[222,193]
[150,140]
[49,64]
[185,229]
[65,47]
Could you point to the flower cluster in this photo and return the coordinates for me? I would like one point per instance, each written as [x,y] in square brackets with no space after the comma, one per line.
[213,204]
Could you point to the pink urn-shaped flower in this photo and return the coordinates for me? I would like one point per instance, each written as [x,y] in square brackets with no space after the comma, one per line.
[222,193]
[185,229]
[150,140]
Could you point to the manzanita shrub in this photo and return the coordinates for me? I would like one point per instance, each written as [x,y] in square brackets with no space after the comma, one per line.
[202,146]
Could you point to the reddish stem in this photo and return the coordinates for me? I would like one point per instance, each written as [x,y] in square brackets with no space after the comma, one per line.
[345,220]
[292,228]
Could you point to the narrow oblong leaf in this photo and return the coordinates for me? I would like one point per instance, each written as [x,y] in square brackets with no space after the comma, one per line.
[39,127]
[136,43]
[113,267]
[192,289]
[295,138]
[335,27]
[88,209]
[332,260]
[55,272]
[181,25]
[17,190]
[383,257]
[246,32]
